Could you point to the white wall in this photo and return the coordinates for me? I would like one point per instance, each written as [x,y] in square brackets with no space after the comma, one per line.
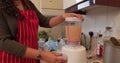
[98,18]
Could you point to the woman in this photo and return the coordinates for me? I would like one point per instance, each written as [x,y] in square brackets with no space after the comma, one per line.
[19,20]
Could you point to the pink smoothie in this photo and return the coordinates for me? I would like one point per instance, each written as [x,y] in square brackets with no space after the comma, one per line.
[73,34]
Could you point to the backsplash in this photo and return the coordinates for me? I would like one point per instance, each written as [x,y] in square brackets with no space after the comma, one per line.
[98,18]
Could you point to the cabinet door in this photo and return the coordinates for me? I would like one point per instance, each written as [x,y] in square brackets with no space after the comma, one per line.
[109,2]
[36,3]
[52,4]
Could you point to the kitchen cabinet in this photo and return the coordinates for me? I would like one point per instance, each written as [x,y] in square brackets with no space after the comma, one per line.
[52,4]
[85,5]
[49,7]
[37,4]
[109,2]
[52,7]
[68,3]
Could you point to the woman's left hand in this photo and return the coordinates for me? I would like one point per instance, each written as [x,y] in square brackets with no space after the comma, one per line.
[73,15]
[52,57]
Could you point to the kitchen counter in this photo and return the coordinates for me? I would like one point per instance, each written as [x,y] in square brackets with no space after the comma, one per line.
[97,60]
[92,58]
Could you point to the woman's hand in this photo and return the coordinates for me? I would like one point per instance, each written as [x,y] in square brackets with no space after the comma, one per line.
[73,15]
[52,57]
[61,18]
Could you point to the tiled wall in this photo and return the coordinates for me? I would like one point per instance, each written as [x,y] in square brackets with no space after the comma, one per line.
[98,18]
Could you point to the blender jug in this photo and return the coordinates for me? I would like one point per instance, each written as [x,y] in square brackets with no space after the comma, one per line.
[73,30]
[73,50]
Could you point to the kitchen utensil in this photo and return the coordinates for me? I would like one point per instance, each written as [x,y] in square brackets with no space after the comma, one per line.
[114,41]
[83,40]
[91,35]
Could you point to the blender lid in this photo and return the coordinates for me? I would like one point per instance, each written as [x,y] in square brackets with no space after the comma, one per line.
[72,19]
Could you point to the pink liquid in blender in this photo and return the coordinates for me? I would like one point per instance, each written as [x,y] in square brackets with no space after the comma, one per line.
[73,34]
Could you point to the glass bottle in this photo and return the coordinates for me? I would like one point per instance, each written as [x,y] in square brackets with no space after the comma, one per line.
[108,33]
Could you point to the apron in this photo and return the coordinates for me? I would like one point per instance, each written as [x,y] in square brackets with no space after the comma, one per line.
[27,35]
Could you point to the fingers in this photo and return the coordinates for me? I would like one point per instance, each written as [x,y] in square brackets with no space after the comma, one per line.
[61,60]
[57,54]
[79,16]
[73,15]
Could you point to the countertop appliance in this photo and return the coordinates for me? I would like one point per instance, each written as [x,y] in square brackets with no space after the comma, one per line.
[73,51]
[111,51]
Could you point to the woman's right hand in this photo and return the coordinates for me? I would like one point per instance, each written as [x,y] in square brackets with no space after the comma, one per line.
[52,57]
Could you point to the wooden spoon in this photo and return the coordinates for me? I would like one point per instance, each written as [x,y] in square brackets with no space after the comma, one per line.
[114,41]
